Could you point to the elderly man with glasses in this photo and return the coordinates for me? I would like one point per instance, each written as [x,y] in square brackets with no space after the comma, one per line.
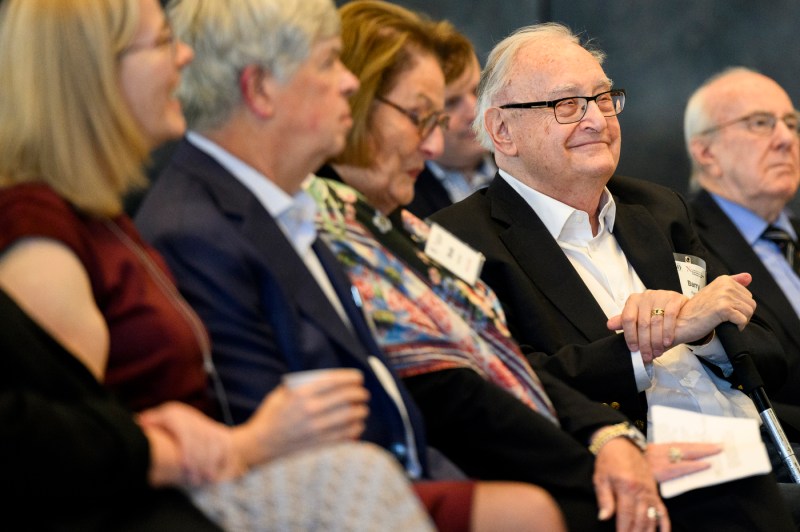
[577,255]
[741,132]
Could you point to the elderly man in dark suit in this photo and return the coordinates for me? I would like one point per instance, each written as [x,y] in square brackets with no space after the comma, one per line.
[741,132]
[576,255]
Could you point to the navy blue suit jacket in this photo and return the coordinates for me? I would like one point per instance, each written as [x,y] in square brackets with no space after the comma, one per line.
[726,243]
[263,309]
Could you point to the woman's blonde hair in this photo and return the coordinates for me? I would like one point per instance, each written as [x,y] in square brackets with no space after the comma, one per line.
[379,41]
[63,118]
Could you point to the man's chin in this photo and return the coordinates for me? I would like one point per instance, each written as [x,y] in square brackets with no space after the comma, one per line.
[599,169]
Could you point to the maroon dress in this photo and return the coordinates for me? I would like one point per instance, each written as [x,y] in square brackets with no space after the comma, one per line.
[157,343]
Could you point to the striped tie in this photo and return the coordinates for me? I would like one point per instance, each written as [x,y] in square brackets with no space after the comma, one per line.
[784,242]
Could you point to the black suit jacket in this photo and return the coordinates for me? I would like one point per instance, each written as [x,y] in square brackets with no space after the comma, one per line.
[72,458]
[430,195]
[724,240]
[263,309]
[550,308]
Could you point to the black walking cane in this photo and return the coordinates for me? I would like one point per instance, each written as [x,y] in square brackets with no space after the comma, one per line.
[746,373]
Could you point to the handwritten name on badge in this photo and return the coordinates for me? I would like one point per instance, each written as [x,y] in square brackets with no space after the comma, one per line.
[453,254]
[692,273]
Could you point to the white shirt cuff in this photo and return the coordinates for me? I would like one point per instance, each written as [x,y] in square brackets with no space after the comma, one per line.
[643,374]
[715,353]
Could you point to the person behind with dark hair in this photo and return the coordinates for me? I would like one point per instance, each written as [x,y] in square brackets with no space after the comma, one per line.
[464,166]
[87,92]
[266,103]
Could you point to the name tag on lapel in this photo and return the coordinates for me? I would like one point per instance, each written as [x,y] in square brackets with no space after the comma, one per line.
[443,247]
[692,273]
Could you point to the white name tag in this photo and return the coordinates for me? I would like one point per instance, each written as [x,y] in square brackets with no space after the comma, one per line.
[692,273]
[463,261]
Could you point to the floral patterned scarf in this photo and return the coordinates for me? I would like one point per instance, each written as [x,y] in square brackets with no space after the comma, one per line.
[426,319]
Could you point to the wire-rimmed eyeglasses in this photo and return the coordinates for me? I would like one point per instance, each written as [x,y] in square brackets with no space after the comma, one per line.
[573,108]
[760,123]
[426,123]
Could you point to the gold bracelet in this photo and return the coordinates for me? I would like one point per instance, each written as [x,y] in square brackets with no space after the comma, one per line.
[620,430]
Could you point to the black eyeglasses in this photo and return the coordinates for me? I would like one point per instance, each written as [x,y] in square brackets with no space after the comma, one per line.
[425,124]
[573,108]
[760,123]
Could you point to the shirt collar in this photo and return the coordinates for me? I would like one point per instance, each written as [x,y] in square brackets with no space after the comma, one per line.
[294,214]
[750,224]
[563,222]
[481,175]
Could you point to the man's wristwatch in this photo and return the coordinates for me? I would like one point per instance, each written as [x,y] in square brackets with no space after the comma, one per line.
[620,430]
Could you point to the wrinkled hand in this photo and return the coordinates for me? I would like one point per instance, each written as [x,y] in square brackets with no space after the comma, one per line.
[204,447]
[725,299]
[624,485]
[688,458]
[326,410]
[684,320]
[650,335]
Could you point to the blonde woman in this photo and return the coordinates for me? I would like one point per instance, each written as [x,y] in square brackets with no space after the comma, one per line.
[87,93]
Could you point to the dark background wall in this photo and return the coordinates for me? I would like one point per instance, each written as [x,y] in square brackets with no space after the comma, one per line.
[658,50]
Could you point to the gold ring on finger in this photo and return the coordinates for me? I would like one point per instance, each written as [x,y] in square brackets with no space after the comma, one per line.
[675,455]
[657,312]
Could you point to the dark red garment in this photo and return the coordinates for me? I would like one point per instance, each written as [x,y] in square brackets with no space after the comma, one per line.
[155,355]
[448,503]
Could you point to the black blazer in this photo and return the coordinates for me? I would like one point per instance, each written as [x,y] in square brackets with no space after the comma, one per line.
[549,307]
[72,458]
[430,195]
[262,307]
[724,240]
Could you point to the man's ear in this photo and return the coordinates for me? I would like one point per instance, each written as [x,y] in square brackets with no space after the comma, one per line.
[497,128]
[702,152]
[257,88]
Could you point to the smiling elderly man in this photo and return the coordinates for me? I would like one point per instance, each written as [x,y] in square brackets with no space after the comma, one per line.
[576,255]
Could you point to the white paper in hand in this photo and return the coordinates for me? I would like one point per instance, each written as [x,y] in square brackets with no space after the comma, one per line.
[743,453]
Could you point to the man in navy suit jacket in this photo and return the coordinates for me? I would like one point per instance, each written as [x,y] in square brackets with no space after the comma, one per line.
[741,132]
[229,216]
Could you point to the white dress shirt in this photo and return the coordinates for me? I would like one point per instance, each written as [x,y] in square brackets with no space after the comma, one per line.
[677,378]
[294,214]
[457,184]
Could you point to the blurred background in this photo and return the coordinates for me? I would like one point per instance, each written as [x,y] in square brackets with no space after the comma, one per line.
[659,51]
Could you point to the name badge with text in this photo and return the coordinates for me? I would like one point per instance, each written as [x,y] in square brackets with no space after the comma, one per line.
[692,273]
[443,247]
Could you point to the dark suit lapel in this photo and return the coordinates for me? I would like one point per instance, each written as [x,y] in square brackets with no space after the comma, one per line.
[646,247]
[292,274]
[276,252]
[726,242]
[543,261]
[431,191]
